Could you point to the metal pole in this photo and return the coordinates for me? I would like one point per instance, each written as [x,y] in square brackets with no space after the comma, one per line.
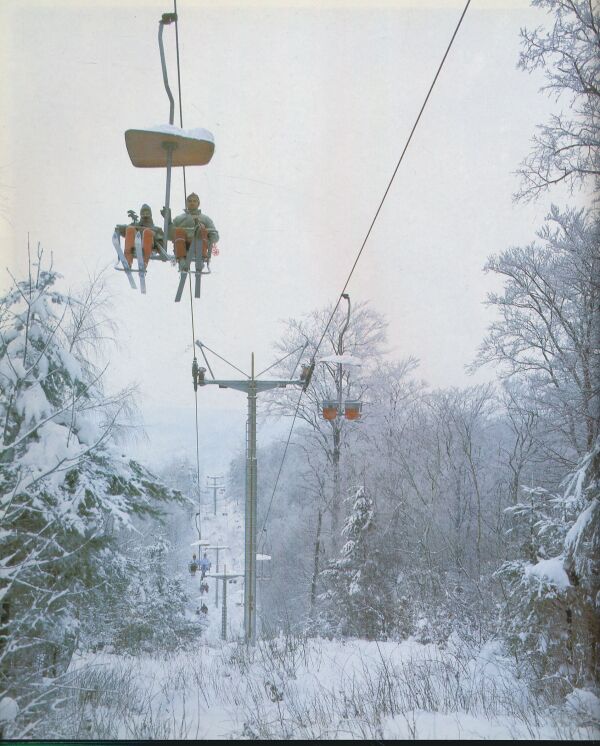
[251,387]
[337,429]
[164,67]
[341,352]
[217,583]
[247,491]
[251,500]
[224,612]
[215,487]
[168,146]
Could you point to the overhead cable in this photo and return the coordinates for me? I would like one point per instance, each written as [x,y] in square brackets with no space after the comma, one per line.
[408,141]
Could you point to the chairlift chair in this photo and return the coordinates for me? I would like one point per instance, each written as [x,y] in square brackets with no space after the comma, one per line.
[329,409]
[352,409]
[165,146]
[264,566]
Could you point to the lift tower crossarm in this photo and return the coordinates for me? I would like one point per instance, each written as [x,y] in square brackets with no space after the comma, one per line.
[258,386]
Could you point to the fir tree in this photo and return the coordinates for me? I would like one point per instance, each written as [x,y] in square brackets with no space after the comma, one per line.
[358,596]
[65,487]
[147,611]
[550,617]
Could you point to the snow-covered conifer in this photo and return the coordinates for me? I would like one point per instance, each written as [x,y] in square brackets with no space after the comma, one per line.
[65,486]
[147,608]
[358,596]
[550,616]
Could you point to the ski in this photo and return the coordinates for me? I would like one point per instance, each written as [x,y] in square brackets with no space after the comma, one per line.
[184,271]
[197,286]
[126,268]
[183,274]
[182,279]
[140,260]
[198,264]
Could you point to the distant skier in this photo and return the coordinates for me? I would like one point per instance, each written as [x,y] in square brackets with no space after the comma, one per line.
[204,609]
[193,565]
[205,565]
[203,588]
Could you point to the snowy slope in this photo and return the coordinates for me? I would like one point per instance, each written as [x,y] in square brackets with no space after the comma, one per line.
[296,688]
[226,528]
[290,688]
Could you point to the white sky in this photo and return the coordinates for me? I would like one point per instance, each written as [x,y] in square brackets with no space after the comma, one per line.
[310,103]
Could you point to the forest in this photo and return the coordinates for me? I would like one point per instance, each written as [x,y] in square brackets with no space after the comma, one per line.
[454,520]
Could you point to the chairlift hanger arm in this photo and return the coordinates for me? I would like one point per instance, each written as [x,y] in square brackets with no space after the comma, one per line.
[341,337]
[166,19]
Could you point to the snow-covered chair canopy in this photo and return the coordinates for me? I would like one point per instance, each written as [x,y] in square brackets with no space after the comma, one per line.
[148,147]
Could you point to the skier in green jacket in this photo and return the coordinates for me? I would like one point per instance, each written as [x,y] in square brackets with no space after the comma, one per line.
[191,219]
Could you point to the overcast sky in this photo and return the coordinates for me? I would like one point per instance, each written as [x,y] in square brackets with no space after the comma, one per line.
[310,103]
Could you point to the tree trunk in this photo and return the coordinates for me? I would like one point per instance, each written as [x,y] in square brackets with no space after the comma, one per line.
[313,586]
[335,503]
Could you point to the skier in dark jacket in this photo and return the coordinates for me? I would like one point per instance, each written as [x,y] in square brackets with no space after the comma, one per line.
[205,565]
[152,235]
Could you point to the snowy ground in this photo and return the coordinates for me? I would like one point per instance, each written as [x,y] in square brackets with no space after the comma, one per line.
[317,689]
[293,688]
[226,528]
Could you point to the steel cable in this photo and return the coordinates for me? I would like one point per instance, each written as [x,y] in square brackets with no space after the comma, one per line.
[414,127]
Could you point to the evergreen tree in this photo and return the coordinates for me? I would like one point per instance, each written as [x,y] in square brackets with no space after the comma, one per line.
[147,611]
[550,616]
[582,564]
[65,487]
[358,597]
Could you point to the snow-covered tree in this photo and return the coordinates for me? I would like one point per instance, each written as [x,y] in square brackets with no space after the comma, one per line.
[567,148]
[582,561]
[147,609]
[66,487]
[551,616]
[363,339]
[545,333]
[548,337]
[359,595]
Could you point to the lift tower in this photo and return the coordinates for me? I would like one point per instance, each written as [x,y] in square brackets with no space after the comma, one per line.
[251,386]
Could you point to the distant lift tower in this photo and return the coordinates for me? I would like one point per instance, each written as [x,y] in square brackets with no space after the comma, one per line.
[226,578]
[216,483]
[252,387]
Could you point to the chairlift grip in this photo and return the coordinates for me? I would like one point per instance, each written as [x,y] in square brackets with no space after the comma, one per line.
[311,369]
[195,374]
